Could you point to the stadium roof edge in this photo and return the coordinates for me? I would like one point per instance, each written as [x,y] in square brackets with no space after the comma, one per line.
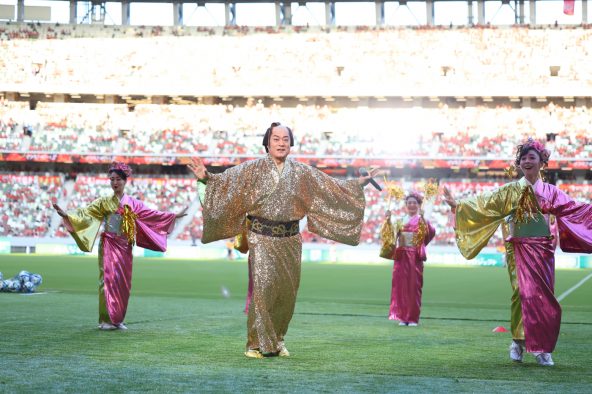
[295,1]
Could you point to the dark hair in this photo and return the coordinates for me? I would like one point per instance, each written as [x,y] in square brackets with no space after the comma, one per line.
[121,169]
[523,149]
[120,173]
[268,134]
[415,196]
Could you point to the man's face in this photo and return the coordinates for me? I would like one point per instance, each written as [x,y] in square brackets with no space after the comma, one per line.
[279,143]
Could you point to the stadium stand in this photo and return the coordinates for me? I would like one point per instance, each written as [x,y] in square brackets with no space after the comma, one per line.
[369,62]
[358,58]
[25,203]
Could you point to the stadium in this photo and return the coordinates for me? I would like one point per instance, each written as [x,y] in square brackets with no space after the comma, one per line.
[430,91]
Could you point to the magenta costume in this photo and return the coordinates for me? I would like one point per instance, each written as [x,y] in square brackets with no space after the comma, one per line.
[409,255]
[477,219]
[126,222]
[535,261]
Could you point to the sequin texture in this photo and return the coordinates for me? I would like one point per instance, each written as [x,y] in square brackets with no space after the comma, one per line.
[334,209]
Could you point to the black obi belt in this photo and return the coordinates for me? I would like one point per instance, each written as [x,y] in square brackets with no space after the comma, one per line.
[271,228]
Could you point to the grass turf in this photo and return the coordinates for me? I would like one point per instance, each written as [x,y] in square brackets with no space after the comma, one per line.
[184,335]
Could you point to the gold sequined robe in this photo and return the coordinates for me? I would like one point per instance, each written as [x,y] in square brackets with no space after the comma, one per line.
[334,209]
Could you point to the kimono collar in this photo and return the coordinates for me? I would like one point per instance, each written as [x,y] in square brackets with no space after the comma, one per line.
[537,186]
[275,168]
[411,219]
[124,199]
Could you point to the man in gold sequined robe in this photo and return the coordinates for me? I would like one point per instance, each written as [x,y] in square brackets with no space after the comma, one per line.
[274,193]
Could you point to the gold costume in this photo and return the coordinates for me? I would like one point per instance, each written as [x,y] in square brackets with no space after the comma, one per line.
[517,327]
[85,223]
[274,200]
[478,217]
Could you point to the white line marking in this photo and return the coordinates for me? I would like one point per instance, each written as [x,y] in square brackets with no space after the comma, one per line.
[32,294]
[573,288]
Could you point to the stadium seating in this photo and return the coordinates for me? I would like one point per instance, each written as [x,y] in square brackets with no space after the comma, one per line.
[12,128]
[194,230]
[25,203]
[199,62]
[216,130]
[578,191]
[371,59]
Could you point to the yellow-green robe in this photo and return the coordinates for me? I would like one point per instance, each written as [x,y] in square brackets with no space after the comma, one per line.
[126,221]
[536,314]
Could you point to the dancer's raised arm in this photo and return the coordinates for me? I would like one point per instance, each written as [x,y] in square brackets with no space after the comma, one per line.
[198,168]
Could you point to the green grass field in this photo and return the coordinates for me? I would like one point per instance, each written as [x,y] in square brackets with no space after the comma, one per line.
[184,336]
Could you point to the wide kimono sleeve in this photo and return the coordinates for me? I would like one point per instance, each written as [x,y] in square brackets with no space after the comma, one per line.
[574,221]
[225,202]
[337,208]
[477,218]
[84,223]
[431,233]
[152,226]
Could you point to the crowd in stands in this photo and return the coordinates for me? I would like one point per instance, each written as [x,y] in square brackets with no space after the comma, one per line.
[12,116]
[25,203]
[287,61]
[579,191]
[236,61]
[320,130]
[194,230]
[374,59]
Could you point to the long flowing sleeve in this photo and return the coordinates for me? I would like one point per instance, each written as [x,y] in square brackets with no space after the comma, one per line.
[337,208]
[152,226]
[477,218]
[431,233]
[574,220]
[84,223]
[226,202]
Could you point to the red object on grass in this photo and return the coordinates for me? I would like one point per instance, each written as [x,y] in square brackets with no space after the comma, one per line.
[500,329]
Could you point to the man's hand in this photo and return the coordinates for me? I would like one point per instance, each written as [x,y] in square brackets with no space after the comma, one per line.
[449,198]
[198,168]
[365,179]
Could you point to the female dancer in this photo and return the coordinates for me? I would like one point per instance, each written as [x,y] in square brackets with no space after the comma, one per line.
[412,234]
[526,205]
[126,221]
